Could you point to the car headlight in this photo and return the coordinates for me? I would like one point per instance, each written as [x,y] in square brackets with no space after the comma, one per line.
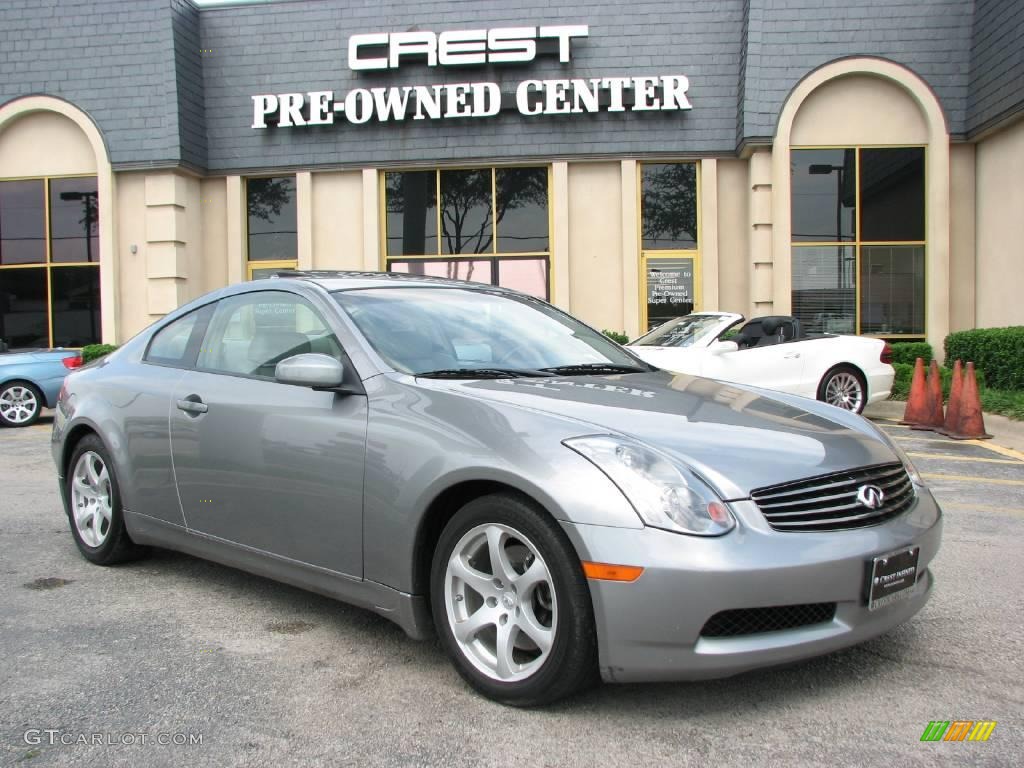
[664,494]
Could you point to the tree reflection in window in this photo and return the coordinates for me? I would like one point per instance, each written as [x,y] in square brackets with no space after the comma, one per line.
[669,206]
[475,205]
[272,218]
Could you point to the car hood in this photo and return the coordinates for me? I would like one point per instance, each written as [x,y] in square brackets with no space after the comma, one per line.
[737,438]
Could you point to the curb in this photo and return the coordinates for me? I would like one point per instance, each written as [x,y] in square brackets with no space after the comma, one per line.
[1005,432]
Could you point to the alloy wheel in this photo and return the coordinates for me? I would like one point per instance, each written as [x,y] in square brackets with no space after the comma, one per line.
[91,499]
[844,391]
[500,602]
[18,404]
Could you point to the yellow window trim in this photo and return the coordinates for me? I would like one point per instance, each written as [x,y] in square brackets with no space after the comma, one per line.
[276,264]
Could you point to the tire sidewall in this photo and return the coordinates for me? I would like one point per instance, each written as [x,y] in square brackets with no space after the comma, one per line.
[39,404]
[823,385]
[105,552]
[575,615]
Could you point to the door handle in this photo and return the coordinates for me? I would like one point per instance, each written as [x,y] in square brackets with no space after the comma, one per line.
[192,405]
[792,356]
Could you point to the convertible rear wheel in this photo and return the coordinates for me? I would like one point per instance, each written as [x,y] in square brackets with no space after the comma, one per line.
[20,404]
[511,604]
[843,387]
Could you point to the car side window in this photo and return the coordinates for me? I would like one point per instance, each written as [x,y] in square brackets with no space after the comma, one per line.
[170,345]
[251,333]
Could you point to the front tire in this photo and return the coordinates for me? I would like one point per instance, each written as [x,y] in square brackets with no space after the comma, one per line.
[844,387]
[511,604]
[20,404]
[92,500]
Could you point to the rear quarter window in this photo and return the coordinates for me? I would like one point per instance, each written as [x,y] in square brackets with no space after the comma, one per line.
[174,344]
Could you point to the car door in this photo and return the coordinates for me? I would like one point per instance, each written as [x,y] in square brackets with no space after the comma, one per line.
[144,394]
[274,467]
[777,366]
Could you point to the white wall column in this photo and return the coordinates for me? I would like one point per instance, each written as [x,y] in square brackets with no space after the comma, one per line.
[708,244]
[630,248]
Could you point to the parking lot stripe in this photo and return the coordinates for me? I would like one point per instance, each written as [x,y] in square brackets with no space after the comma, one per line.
[945,457]
[971,478]
[901,438]
[982,508]
[1000,449]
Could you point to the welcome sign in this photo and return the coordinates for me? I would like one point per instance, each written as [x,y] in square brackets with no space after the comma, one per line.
[462,48]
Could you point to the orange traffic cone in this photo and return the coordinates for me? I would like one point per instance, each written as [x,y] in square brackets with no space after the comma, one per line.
[935,418]
[918,410]
[955,399]
[970,421]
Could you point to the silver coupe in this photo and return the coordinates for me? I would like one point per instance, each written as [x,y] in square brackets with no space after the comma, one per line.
[468,460]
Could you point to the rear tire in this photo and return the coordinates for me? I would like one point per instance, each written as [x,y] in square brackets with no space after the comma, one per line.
[844,387]
[519,630]
[20,404]
[92,500]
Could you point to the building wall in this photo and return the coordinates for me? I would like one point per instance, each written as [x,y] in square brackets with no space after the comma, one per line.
[962,233]
[999,231]
[45,144]
[789,38]
[133,314]
[733,237]
[595,195]
[302,46]
[214,233]
[997,65]
[114,59]
[338,220]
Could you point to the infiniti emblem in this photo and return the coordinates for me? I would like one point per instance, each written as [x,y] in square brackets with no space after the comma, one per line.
[871,496]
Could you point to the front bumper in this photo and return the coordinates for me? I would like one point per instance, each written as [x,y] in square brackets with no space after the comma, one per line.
[650,630]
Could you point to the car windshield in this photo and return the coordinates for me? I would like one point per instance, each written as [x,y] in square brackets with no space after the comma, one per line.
[460,333]
[680,331]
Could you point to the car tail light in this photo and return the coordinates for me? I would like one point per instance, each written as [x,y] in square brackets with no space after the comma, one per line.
[886,356]
[72,362]
[62,395]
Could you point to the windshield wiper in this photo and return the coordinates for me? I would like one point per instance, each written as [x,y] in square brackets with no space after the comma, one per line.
[480,373]
[594,368]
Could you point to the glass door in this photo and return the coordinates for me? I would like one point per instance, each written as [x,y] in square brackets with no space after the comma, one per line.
[672,285]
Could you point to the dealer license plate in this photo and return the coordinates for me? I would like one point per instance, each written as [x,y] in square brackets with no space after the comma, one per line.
[893,577]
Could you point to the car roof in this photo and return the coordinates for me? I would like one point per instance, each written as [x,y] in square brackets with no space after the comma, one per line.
[341,280]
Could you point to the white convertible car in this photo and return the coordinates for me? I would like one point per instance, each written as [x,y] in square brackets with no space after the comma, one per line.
[773,352]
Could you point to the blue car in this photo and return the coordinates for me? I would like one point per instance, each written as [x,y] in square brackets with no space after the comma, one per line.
[30,380]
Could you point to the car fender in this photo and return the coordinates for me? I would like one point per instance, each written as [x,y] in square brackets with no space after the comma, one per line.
[412,461]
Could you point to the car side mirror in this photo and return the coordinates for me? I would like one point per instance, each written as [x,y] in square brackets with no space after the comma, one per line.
[310,370]
[721,347]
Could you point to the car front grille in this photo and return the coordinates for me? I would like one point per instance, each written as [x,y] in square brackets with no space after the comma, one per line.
[829,502]
[753,621]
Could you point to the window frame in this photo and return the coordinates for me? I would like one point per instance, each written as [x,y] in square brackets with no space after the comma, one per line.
[209,326]
[48,264]
[493,255]
[195,339]
[656,254]
[283,264]
[857,243]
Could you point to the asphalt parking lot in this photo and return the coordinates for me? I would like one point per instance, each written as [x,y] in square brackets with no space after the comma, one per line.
[173,648]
